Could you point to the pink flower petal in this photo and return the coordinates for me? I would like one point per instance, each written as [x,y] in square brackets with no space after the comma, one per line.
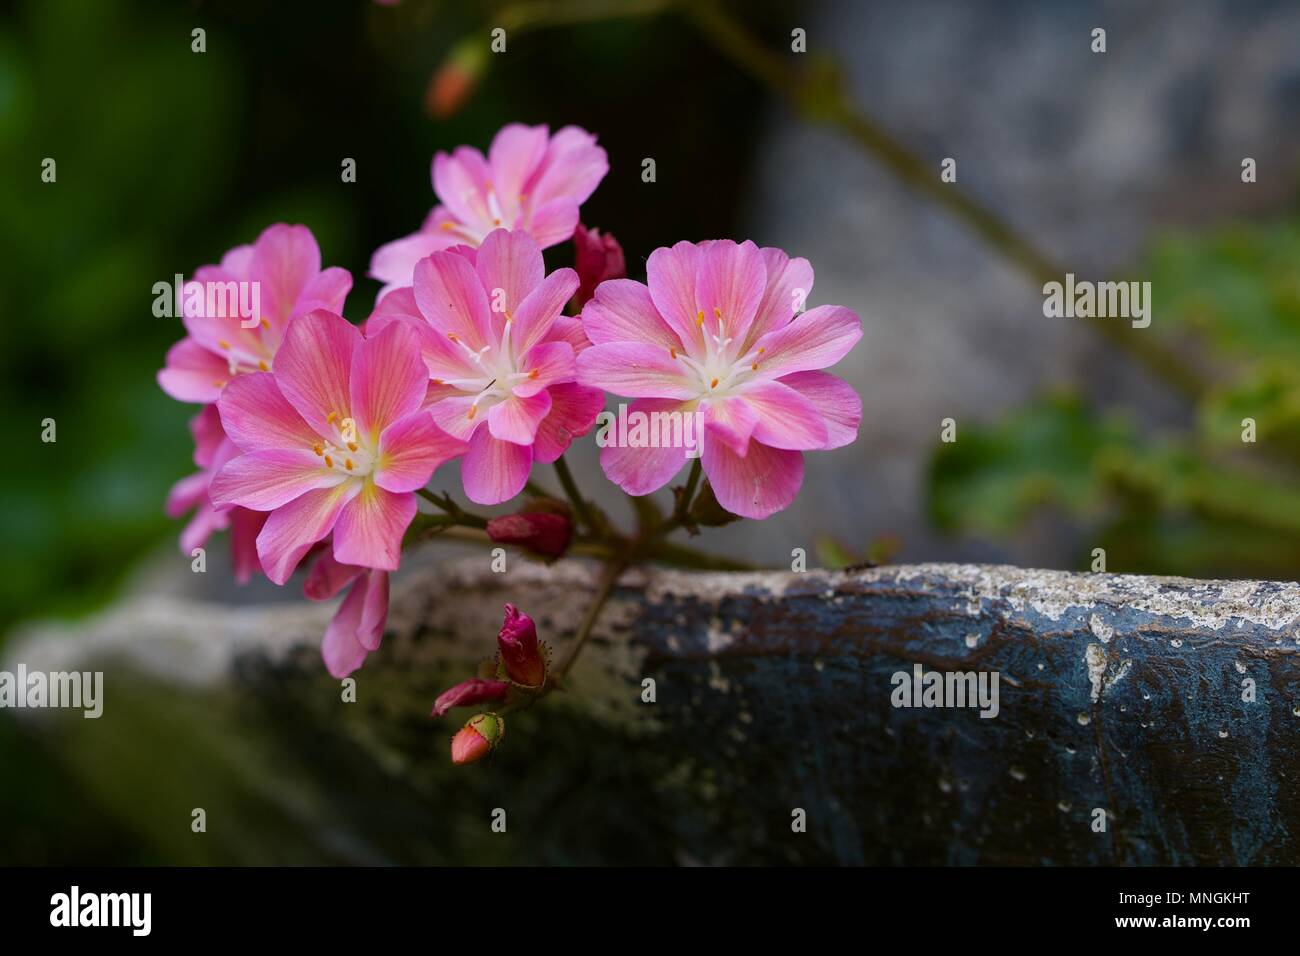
[789,283]
[328,577]
[453,415]
[639,471]
[728,288]
[292,529]
[732,420]
[670,274]
[410,450]
[206,520]
[566,329]
[785,419]
[572,167]
[573,412]
[509,266]
[285,259]
[461,182]
[313,366]
[451,297]
[535,316]
[549,363]
[494,471]
[514,156]
[265,480]
[326,290]
[839,404]
[816,339]
[187,493]
[374,610]
[209,436]
[245,526]
[388,380]
[393,263]
[553,222]
[628,368]
[370,528]
[256,415]
[193,373]
[341,650]
[763,482]
[622,311]
[516,419]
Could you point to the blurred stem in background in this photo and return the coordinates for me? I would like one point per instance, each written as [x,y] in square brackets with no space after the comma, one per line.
[1222,499]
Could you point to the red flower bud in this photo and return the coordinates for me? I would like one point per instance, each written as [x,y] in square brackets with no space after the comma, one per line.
[520,654]
[469,692]
[453,83]
[545,534]
[596,258]
[477,738]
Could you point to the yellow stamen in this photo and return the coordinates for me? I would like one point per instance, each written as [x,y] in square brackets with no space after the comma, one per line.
[347,463]
[472,410]
[699,319]
[437,381]
[318,449]
[448,225]
[717,313]
[329,419]
[713,384]
[352,446]
[224,344]
[534,373]
[452,336]
[266,325]
[754,367]
[496,222]
[672,351]
[263,366]
[762,349]
[329,462]
[219,382]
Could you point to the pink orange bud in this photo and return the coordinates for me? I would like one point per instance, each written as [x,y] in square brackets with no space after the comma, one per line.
[476,739]
[451,86]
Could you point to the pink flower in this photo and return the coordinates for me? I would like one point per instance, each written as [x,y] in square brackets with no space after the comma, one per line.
[500,357]
[358,625]
[529,180]
[596,258]
[333,440]
[716,332]
[467,693]
[212,449]
[285,264]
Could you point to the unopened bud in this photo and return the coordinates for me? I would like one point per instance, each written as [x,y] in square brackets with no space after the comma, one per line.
[456,79]
[707,512]
[476,739]
[520,654]
[469,692]
[545,534]
[596,258]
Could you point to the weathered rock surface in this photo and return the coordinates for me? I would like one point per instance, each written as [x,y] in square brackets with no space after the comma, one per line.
[1117,693]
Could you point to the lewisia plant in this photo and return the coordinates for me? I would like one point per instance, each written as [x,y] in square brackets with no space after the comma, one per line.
[316,438]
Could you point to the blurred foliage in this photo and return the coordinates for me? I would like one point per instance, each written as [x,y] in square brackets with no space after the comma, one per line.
[1199,502]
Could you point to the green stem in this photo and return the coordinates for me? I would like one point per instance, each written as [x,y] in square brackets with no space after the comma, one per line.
[446,504]
[613,568]
[575,496]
